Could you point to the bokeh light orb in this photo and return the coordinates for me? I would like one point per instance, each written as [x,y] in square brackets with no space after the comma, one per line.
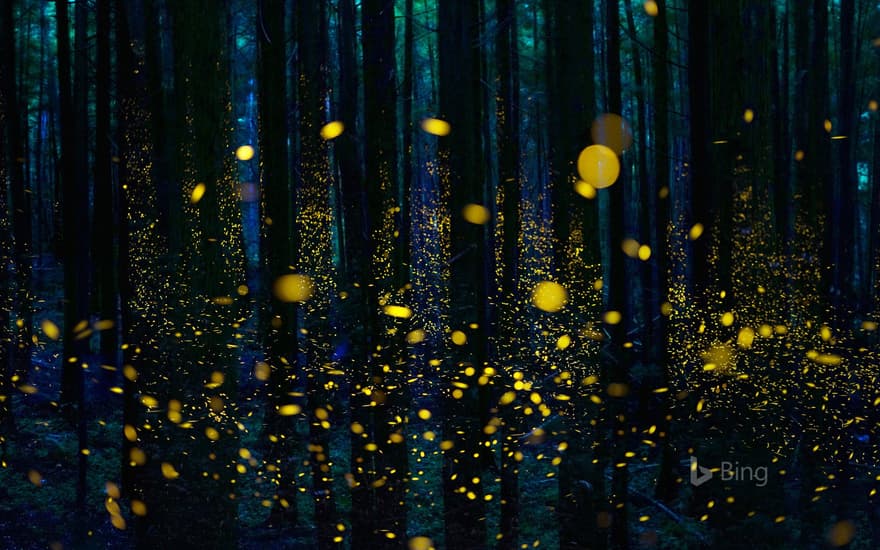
[584,189]
[197,193]
[245,152]
[294,287]
[612,131]
[549,296]
[436,127]
[476,214]
[332,130]
[598,166]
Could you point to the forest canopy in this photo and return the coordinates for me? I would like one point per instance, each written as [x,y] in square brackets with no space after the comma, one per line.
[439,274]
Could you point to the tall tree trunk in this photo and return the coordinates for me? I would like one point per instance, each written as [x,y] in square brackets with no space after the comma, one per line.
[462,170]
[20,202]
[508,199]
[616,359]
[846,207]
[315,257]
[209,272]
[106,216]
[7,28]
[665,488]
[381,472]
[278,237]
[75,198]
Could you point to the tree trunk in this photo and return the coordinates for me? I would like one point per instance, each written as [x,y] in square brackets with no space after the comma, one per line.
[106,216]
[665,488]
[278,238]
[20,201]
[462,170]
[315,257]
[509,194]
[7,27]
[616,362]
[846,207]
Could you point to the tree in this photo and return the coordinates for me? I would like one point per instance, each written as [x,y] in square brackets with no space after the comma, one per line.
[616,361]
[462,181]
[105,219]
[277,251]
[19,198]
[313,181]
[845,210]
[660,86]
[75,196]
[380,473]
[6,55]
[509,195]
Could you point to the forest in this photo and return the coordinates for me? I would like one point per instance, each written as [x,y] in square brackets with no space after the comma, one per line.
[439,274]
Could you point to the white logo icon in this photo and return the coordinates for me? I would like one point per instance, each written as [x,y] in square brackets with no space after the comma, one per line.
[699,474]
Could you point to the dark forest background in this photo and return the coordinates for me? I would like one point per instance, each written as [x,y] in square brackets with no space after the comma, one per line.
[439,274]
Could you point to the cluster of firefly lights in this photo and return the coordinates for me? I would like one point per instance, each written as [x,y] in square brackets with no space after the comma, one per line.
[598,167]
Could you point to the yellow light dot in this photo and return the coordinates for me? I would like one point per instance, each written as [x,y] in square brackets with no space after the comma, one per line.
[293,288]
[644,252]
[827,125]
[798,155]
[415,336]
[332,130]
[425,414]
[475,214]
[262,371]
[436,127]
[841,533]
[168,471]
[872,105]
[563,342]
[420,543]
[766,331]
[289,410]
[749,116]
[630,247]
[745,338]
[584,189]
[613,132]
[612,317]
[137,456]
[727,319]
[197,193]
[50,329]
[507,398]
[117,522]
[149,401]
[651,8]
[666,309]
[129,432]
[212,433]
[245,152]
[400,312]
[459,338]
[35,478]
[598,165]
[549,296]
[138,508]
[695,232]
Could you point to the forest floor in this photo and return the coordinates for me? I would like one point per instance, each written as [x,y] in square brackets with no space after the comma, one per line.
[38,485]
